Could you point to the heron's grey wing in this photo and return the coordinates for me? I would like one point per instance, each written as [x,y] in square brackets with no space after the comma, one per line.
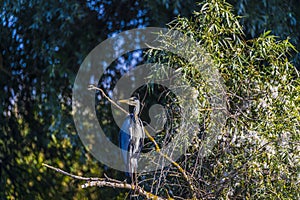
[141,139]
[136,144]
[143,133]
[125,139]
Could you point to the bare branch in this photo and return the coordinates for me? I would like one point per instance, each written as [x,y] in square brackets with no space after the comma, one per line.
[93,87]
[108,182]
[72,175]
[137,189]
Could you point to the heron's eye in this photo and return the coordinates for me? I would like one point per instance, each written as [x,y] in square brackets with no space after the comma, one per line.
[134,98]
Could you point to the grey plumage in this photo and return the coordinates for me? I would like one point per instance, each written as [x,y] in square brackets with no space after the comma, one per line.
[132,138]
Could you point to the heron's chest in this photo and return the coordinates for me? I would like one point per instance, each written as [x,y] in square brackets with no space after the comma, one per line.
[136,130]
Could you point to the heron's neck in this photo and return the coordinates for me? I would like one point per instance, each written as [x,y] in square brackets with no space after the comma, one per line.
[136,111]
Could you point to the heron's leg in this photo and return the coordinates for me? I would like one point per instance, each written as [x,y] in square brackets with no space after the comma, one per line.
[135,182]
[132,178]
[136,179]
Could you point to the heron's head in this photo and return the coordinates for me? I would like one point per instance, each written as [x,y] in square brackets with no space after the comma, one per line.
[133,101]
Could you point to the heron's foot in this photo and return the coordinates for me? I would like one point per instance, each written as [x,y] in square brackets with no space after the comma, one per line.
[134,190]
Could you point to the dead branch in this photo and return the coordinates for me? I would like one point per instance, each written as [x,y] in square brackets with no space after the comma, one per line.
[108,182]
[124,185]
[93,87]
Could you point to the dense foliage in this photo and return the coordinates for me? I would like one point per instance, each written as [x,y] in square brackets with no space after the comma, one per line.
[257,155]
[42,45]
[280,17]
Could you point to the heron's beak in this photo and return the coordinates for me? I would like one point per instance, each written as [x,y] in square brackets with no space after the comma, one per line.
[124,101]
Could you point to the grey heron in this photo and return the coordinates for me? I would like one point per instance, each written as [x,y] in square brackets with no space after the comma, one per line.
[132,135]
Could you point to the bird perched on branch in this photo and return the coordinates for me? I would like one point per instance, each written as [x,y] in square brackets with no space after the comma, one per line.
[132,138]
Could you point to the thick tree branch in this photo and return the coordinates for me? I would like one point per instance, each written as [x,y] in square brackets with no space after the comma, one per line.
[108,182]
[124,185]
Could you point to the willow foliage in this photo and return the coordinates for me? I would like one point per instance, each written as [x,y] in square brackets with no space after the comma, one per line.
[257,154]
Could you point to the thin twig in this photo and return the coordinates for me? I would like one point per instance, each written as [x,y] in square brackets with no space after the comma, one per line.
[157,149]
[93,87]
[180,169]
[72,175]
[111,179]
